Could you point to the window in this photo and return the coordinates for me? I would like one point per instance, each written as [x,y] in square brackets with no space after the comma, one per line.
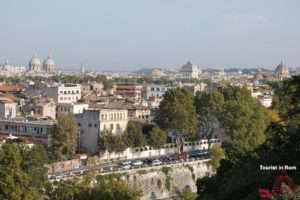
[95,125]
[90,125]
[111,126]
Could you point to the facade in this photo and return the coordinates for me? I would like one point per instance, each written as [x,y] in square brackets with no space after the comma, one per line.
[282,72]
[64,93]
[11,70]
[93,122]
[38,130]
[189,71]
[92,87]
[45,109]
[128,90]
[157,91]
[140,113]
[35,64]
[194,88]
[71,108]
[8,109]
[49,65]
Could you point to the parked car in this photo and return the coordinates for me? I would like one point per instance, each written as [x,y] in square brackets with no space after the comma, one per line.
[137,163]
[125,167]
[156,162]
[126,162]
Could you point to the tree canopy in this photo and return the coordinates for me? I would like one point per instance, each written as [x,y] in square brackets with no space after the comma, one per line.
[22,175]
[177,111]
[64,139]
[157,138]
[239,175]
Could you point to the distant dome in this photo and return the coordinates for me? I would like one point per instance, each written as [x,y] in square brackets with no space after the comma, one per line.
[157,73]
[190,71]
[35,64]
[49,64]
[49,61]
[35,61]
[282,71]
[189,67]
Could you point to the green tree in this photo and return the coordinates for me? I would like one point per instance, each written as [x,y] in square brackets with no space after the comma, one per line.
[239,174]
[217,154]
[14,182]
[65,190]
[64,139]
[133,135]
[244,119]
[177,111]
[112,143]
[157,138]
[187,194]
[34,160]
[209,107]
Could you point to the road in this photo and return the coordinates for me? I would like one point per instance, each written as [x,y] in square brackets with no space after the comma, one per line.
[128,165]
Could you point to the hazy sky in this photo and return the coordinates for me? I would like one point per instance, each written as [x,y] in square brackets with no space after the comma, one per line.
[134,34]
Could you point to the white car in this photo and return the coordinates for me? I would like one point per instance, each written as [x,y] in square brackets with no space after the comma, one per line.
[127,162]
[156,162]
[137,163]
[126,167]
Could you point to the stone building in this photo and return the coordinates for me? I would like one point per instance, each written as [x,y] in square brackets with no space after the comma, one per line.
[282,72]
[8,109]
[94,121]
[189,71]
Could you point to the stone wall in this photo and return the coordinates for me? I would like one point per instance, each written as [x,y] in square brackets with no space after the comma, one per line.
[166,182]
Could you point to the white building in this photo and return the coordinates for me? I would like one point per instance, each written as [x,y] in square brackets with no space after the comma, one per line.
[35,64]
[11,70]
[93,122]
[64,93]
[45,109]
[141,113]
[39,130]
[8,109]
[157,91]
[189,71]
[73,108]
[266,100]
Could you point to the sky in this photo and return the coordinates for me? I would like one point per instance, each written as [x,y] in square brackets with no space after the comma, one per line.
[132,34]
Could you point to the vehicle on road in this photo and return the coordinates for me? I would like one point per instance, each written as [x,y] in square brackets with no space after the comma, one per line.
[137,163]
[127,162]
[156,162]
[125,167]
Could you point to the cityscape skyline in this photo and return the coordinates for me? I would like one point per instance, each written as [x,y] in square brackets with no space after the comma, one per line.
[163,34]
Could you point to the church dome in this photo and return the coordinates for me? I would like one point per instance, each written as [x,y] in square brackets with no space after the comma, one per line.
[282,68]
[49,61]
[189,67]
[35,64]
[49,64]
[157,73]
[35,61]
[282,71]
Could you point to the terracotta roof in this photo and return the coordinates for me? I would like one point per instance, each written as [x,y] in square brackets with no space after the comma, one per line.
[9,88]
